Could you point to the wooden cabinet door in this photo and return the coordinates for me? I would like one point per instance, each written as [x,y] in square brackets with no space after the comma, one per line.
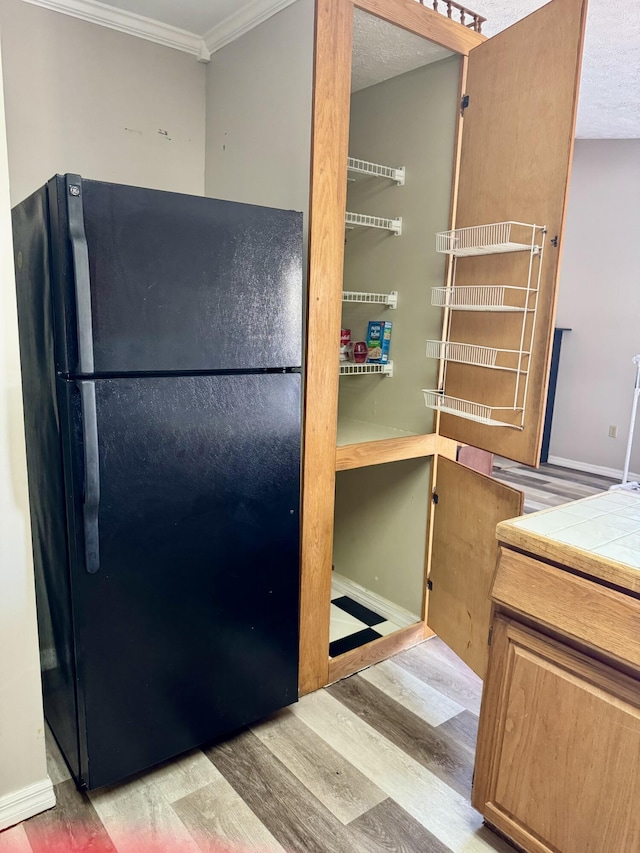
[517,144]
[464,557]
[556,763]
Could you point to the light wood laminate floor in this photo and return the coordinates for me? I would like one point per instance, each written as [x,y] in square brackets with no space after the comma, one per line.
[549,485]
[381,761]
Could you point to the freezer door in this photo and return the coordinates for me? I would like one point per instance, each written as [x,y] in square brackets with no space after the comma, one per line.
[152,282]
[185,592]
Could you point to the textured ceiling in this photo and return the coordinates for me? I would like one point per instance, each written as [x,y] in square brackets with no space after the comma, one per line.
[608,107]
[382,51]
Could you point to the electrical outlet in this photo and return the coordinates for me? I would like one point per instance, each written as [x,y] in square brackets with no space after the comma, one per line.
[613,431]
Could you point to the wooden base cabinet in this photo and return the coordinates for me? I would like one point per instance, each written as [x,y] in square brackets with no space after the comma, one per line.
[557,758]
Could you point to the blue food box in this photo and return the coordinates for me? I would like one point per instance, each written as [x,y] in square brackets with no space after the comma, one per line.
[378,341]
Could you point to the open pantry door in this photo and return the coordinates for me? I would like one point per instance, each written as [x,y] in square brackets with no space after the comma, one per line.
[464,555]
[517,144]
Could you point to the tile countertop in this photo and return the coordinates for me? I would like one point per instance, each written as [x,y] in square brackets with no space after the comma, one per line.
[597,536]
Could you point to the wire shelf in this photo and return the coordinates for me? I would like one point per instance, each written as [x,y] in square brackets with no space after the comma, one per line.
[375,170]
[492,239]
[388,299]
[480,297]
[469,410]
[479,356]
[351,369]
[363,220]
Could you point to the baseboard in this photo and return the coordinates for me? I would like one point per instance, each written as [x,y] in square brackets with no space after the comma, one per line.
[613,473]
[27,802]
[393,612]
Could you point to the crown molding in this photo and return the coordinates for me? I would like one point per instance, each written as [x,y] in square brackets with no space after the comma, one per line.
[129,23]
[249,16]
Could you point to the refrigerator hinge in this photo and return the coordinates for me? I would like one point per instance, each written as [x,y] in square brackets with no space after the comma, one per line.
[464,103]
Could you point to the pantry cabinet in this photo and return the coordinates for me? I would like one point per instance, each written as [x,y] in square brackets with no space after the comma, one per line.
[509,154]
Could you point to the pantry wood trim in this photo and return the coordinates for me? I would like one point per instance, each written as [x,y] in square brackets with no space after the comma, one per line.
[424,22]
[376,651]
[447,447]
[332,84]
[388,450]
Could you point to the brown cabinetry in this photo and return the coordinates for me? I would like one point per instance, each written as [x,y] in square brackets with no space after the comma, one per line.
[510,156]
[556,763]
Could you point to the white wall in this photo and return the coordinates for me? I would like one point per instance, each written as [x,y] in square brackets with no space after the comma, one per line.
[600,301]
[259,91]
[22,753]
[86,99]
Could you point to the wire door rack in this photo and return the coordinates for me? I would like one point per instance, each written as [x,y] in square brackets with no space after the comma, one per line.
[497,238]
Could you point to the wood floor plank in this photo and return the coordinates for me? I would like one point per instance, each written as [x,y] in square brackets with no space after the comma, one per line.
[73,825]
[332,780]
[14,840]
[464,728]
[441,810]
[447,758]
[430,663]
[391,828]
[137,813]
[182,776]
[411,692]
[291,814]
[217,814]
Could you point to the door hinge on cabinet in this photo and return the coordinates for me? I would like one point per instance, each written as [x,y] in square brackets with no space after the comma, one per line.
[429,584]
[464,103]
[435,497]
[490,636]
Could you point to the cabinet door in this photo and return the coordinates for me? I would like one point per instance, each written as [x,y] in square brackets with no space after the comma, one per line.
[556,764]
[517,144]
[464,557]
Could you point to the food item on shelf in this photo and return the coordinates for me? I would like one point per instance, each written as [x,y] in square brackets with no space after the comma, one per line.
[360,350]
[378,341]
[345,344]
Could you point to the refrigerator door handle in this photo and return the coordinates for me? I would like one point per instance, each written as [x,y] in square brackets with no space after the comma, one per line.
[91,498]
[80,254]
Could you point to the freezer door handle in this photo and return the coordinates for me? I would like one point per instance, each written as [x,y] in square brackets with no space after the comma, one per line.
[80,255]
[91,498]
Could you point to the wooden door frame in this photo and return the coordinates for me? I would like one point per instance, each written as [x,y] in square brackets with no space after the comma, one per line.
[330,138]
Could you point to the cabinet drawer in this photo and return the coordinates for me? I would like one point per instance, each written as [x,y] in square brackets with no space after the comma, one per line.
[602,618]
[558,745]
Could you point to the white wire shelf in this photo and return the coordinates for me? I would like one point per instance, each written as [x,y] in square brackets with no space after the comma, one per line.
[363,220]
[495,358]
[482,297]
[493,239]
[352,369]
[388,299]
[482,414]
[376,170]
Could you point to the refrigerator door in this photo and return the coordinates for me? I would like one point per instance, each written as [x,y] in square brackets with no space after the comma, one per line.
[153,282]
[185,587]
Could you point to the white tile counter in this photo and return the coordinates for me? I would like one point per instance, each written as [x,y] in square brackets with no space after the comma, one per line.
[597,536]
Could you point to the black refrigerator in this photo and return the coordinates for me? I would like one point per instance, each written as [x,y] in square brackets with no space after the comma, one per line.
[160,341]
